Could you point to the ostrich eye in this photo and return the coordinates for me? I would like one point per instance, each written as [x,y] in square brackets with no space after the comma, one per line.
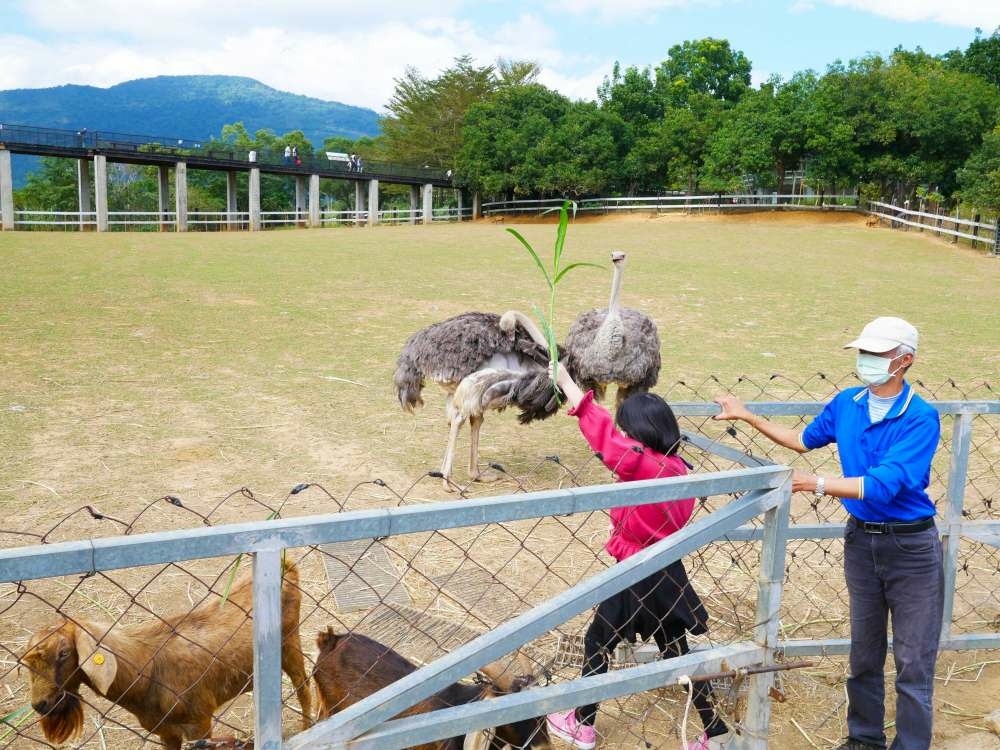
[63,654]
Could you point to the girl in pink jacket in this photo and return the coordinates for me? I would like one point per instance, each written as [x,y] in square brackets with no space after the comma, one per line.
[662,606]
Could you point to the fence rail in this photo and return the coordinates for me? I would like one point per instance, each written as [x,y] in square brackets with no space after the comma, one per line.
[984,233]
[765,581]
[667,203]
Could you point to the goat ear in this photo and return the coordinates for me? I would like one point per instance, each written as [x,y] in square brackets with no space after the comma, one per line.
[99,664]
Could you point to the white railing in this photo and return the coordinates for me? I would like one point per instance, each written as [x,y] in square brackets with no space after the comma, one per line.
[343,217]
[55,218]
[658,203]
[284,217]
[903,216]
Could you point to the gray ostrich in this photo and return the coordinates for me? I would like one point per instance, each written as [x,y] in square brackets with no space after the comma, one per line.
[617,345]
[484,362]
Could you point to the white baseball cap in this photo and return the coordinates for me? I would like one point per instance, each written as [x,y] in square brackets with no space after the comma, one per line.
[885,334]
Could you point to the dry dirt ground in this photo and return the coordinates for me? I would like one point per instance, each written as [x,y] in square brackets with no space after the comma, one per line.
[142,365]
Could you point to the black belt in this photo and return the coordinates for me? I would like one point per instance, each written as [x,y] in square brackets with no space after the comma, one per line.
[895,527]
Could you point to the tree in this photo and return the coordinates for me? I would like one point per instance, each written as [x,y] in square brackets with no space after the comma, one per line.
[979,178]
[703,66]
[765,133]
[53,187]
[424,125]
[981,58]
[501,136]
[580,154]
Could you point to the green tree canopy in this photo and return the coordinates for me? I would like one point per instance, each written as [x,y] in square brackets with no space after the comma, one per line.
[703,66]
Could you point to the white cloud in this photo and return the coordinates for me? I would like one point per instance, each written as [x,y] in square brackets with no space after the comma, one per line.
[965,13]
[327,50]
[625,10]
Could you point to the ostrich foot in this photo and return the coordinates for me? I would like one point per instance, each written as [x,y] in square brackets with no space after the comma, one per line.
[486,476]
[448,486]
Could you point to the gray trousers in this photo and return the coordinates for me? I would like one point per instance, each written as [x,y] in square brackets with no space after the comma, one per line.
[901,575]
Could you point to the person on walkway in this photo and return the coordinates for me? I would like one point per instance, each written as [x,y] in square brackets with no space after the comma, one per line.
[288,154]
[886,436]
[662,606]
[295,156]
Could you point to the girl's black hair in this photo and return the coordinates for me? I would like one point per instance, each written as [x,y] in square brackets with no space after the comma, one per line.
[647,418]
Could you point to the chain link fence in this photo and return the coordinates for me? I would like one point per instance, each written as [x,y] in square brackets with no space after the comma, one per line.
[425,594]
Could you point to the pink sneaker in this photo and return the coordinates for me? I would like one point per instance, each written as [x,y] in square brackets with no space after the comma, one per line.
[709,743]
[565,726]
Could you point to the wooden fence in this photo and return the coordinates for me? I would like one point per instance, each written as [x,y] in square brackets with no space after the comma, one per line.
[976,231]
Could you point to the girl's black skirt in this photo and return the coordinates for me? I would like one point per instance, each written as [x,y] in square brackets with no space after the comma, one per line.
[662,601]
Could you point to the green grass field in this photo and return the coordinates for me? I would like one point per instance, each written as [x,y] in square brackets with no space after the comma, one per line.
[139,365]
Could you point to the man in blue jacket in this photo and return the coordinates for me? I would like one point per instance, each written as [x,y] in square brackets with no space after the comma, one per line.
[886,436]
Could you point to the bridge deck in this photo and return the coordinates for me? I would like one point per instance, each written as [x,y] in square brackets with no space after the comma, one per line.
[213,155]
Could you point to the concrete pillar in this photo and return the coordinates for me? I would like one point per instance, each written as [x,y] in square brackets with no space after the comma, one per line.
[359,201]
[477,206]
[181,196]
[101,191]
[83,191]
[300,200]
[231,205]
[372,202]
[428,203]
[314,218]
[163,194]
[6,191]
[414,202]
[255,199]
[461,202]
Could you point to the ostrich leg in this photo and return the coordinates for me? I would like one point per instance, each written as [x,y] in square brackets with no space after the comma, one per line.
[455,420]
[486,476]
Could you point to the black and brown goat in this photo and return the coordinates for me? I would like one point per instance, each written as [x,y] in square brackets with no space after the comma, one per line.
[173,673]
[351,667]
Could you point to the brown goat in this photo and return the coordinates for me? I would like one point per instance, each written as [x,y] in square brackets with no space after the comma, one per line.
[172,673]
[351,667]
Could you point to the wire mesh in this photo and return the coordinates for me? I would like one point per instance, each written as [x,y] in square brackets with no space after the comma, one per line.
[425,594]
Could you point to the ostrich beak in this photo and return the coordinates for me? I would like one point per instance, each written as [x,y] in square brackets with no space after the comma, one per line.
[617,256]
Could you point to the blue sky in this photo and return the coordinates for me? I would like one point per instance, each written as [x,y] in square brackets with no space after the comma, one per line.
[351,51]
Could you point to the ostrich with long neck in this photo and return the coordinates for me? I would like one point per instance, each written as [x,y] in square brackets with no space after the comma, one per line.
[618,345]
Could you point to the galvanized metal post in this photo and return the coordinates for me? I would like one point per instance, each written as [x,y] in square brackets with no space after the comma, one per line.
[267,649]
[961,440]
[954,226]
[996,239]
[769,589]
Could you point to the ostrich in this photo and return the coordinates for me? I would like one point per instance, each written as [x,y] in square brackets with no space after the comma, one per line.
[484,363]
[617,345]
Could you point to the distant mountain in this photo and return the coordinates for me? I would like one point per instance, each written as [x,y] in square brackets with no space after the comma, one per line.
[184,106]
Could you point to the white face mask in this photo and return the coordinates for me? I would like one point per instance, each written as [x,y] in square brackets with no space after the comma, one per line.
[874,370]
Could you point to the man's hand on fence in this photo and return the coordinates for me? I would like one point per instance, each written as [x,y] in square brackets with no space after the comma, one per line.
[732,408]
[803,481]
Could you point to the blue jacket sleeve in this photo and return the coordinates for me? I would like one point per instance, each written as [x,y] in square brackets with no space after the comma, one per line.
[822,430]
[906,464]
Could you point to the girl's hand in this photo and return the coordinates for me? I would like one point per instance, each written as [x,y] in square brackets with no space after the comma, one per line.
[732,408]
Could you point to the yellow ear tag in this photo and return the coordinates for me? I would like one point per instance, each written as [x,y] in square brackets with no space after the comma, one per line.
[98,659]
